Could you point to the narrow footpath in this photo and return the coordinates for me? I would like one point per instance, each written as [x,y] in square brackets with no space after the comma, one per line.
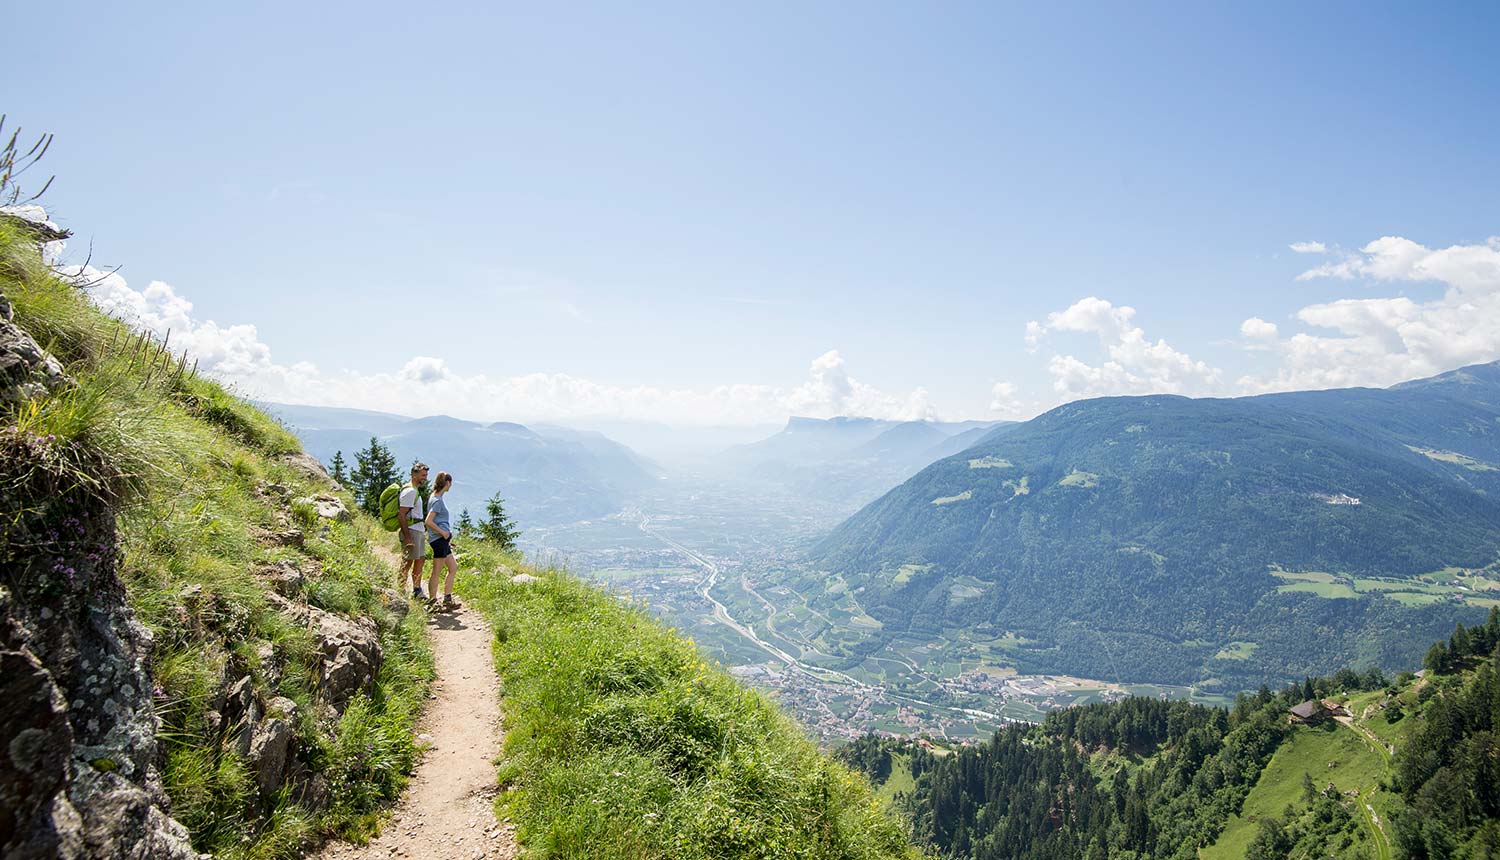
[447,810]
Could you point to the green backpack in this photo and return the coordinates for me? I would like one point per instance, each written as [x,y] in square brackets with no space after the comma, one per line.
[390,507]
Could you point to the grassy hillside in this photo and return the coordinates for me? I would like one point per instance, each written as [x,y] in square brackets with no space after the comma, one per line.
[1145,536]
[622,742]
[209,531]
[1330,754]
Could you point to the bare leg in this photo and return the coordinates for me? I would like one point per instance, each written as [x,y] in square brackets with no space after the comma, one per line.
[452,565]
[437,565]
[416,573]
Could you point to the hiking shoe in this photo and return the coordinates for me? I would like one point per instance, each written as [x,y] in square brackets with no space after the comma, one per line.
[416,594]
[450,603]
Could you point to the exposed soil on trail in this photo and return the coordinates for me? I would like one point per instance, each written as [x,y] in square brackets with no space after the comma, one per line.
[447,810]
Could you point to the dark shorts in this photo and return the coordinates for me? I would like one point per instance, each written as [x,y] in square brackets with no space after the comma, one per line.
[440,547]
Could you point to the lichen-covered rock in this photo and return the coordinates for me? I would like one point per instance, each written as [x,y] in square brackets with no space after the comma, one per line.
[287,578]
[328,507]
[34,763]
[87,770]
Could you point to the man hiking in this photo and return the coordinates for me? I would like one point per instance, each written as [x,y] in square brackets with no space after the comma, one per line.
[413,532]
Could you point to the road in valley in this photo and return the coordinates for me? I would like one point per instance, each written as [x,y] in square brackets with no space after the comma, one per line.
[818,673]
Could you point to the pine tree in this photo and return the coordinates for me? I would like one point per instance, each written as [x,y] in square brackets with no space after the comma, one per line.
[465,525]
[1436,661]
[1461,644]
[374,470]
[337,470]
[496,525]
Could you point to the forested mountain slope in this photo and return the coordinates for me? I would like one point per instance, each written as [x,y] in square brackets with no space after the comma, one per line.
[1381,769]
[1139,536]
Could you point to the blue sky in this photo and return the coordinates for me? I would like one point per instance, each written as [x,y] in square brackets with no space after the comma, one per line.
[618,211]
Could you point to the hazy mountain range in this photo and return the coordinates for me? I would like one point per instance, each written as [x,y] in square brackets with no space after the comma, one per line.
[847,461]
[546,474]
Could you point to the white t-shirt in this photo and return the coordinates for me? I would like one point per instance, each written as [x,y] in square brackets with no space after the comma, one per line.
[410,498]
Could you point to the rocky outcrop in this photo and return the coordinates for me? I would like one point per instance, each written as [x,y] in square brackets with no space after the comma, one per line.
[26,370]
[350,650]
[327,507]
[78,777]
[77,773]
[309,466]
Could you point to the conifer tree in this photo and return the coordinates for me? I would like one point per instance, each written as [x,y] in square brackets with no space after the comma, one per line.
[1436,661]
[374,470]
[497,525]
[465,525]
[337,470]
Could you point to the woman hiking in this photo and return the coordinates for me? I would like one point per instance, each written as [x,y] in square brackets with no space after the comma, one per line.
[439,535]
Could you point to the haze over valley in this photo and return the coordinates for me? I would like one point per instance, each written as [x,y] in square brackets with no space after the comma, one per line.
[949,577]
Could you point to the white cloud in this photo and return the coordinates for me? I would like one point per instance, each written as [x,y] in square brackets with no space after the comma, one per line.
[426,369]
[1034,334]
[1135,364]
[1308,248]
[1381,341]
[1257,329]
[235,354]
[1006,402]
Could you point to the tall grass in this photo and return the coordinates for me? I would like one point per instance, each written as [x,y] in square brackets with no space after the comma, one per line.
[189,468]
[623,742]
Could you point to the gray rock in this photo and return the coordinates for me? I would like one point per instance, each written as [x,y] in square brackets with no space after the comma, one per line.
[78,726]
[287,537]
[395,602]
[269,753]
[523,579]
[287,578]
[314,793]
[328,507]
[350,650]
[36,816]
[351,656]
[26,370]
[308,466]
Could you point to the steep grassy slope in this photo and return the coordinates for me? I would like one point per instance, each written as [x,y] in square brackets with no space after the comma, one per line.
[1142,535]
[287,677]
[261,749]
[622,742]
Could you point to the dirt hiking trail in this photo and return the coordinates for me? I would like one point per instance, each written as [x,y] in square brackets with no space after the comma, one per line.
[447,809]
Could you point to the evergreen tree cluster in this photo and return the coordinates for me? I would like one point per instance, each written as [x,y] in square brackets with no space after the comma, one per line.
[1134,779]
[1445,658]
[1033,793]
[374,470]
[1448,771]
